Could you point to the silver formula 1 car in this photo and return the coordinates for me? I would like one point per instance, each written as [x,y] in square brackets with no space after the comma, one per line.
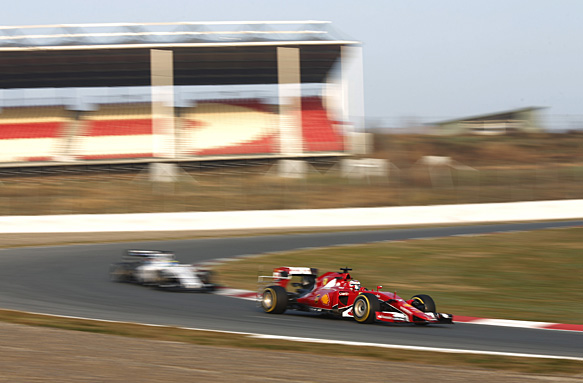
[160,269]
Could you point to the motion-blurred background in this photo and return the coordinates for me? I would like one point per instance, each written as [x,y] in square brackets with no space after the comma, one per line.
[205,116]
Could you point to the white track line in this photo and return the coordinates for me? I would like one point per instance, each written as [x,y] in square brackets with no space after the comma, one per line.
[415,348]
[327,341]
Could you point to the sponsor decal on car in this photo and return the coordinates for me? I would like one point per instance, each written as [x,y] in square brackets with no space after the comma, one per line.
[299,270]
[391,316]
[317,298]
[326,299]
[406,310]
[348,313]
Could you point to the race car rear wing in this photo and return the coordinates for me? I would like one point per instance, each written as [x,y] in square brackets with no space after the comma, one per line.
[133,255]
[285,273]
[282,275]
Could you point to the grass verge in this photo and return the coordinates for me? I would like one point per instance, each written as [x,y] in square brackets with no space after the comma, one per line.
[209,338]
[535,275]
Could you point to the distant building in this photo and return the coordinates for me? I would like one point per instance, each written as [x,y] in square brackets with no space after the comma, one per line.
[519,120]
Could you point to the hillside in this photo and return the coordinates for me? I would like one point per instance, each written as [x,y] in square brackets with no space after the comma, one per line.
[478,151]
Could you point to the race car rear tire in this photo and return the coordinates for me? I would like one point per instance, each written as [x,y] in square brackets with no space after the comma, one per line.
[117,274]
[274,300]
[365,308]
[424,303]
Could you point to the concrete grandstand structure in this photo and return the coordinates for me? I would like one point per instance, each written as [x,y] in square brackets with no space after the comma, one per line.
[115,131]
[229,127]
[33,134]
[287,56]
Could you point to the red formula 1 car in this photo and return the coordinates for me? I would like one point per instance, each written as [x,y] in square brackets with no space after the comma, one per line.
[337,293]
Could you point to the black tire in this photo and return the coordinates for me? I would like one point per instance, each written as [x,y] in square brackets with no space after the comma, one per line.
[365,307]
[168,284]
[274,300]
[424,303]
[206,277]
[117,273]
[210,288]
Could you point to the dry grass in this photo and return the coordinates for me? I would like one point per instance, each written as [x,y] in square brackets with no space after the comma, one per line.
[538,167]
[114,193]
[552,367]
[481,151]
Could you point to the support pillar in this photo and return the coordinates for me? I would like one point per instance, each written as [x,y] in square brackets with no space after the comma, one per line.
[162,80]
[290,106]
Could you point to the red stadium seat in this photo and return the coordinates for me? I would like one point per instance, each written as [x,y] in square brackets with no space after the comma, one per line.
[32,133]
[116,131]
[229,127]
[318,130]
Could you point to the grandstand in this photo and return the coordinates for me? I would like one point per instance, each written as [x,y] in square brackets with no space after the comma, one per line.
[319,131]
[229,127]
[33,133]
[115,131]
[125,131]
[223,54]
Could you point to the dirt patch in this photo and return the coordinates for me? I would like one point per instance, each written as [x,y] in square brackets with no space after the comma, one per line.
[48,355]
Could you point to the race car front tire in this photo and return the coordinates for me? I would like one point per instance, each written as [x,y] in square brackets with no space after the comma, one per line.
[365,308]
[424,303]
[274,300]
[206,277]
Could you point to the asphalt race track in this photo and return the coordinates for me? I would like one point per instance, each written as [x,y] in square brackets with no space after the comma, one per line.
[73,280]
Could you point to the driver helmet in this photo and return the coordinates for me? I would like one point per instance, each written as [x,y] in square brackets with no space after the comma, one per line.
[354,285]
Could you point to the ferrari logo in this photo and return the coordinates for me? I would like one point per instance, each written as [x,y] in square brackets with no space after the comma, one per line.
[317,299]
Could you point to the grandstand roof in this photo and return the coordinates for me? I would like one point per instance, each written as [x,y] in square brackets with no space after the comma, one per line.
[205,53]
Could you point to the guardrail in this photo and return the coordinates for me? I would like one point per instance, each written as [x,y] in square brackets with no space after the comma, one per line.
[296,219]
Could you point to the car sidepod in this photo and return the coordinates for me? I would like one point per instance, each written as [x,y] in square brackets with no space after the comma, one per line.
[183,278]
